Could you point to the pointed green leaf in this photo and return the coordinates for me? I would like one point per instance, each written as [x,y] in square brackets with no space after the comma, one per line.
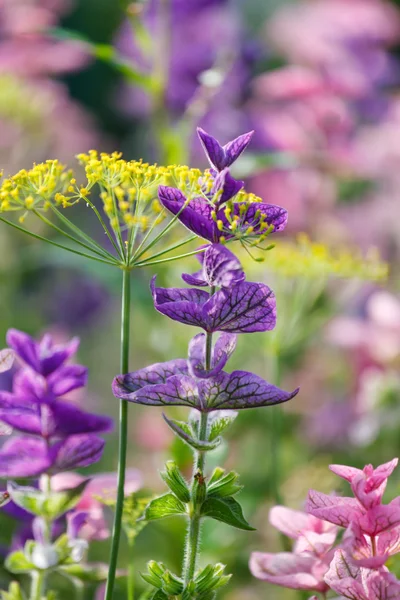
[17,562]
[14,592]
[177,428]
[224,486]
[219,425]
[48,505]
[227,510]
[164,506]
[175,481]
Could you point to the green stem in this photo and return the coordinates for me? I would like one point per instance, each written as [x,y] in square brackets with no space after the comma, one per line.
[192,543]
[131,573]
[38,578]
[123,436]
[276,418]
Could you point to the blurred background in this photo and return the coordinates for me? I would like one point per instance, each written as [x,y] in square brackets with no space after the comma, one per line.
[319,81]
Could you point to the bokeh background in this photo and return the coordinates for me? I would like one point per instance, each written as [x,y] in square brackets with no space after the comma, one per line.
[319,81]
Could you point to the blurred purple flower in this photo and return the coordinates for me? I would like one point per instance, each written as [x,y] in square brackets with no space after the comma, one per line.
[65,433]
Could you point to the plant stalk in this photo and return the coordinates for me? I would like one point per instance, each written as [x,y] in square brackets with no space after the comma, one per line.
[123,435]
[37,585]
[192,543]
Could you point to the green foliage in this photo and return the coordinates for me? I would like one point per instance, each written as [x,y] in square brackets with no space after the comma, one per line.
[18,562]
[222,485]
[219,425]
[186,432]
[167,505]
[175,481]
[227,510]
[14,592]
[49,505]
[95,573]
[133,514]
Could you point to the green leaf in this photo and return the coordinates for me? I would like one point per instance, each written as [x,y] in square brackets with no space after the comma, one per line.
[164,506]
[175,481]
[219,425]
[159,595]
[177,428]
[14,592]
[17,562]
[92,573]
[48,505]
[134,508]
[227,510]
[223,485]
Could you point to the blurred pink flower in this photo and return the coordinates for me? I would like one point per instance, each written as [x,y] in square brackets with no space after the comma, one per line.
[357,583]
[150,432]
[306,566]
[102,485]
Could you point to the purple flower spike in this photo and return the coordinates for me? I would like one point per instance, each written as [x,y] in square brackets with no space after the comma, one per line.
[222,351]
[251,220]
[219,156]
[43,357]
[221,268]
[245,308]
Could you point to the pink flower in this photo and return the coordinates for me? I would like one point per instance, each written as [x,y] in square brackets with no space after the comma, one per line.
[357,583]
[102,485]
[373,532]
[306,566]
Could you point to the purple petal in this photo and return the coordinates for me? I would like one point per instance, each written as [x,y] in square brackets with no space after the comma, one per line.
[226,185]
[256,215]
[245,308]
[53,356]
[76,451]
[25,347]
[124,385]
[75,522]
[71,420]
[177,390]
[24,457]
[31,386]
[68,378]
[213,149]
[235,148]
[196,215]
[221,268]
[183,305]
[222,351]
[240,389]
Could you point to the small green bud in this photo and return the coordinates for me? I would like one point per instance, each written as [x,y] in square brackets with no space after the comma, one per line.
[155,573]
[176,483]
[224,486]
[172,584]
[199,490]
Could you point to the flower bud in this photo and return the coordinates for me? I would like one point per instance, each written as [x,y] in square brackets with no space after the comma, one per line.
[199,490]
[176,483]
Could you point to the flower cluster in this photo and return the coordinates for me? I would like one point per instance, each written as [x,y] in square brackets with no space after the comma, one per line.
[232,306]
[355,569]
[221,215]
[61,436]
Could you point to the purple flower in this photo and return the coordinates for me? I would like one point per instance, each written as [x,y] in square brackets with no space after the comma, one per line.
[244,308]
[236,220]
[220,268]
[219,156]
[180,382]
[43,357]
[65,433]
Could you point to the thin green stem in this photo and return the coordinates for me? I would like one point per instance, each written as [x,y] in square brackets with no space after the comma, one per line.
[173,247]
[43,239]
[163,260]
[37,585]
[123,435]
[131,573]
[105,228]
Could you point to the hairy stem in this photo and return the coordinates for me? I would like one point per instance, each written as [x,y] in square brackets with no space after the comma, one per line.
[37,585]
[123,435]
